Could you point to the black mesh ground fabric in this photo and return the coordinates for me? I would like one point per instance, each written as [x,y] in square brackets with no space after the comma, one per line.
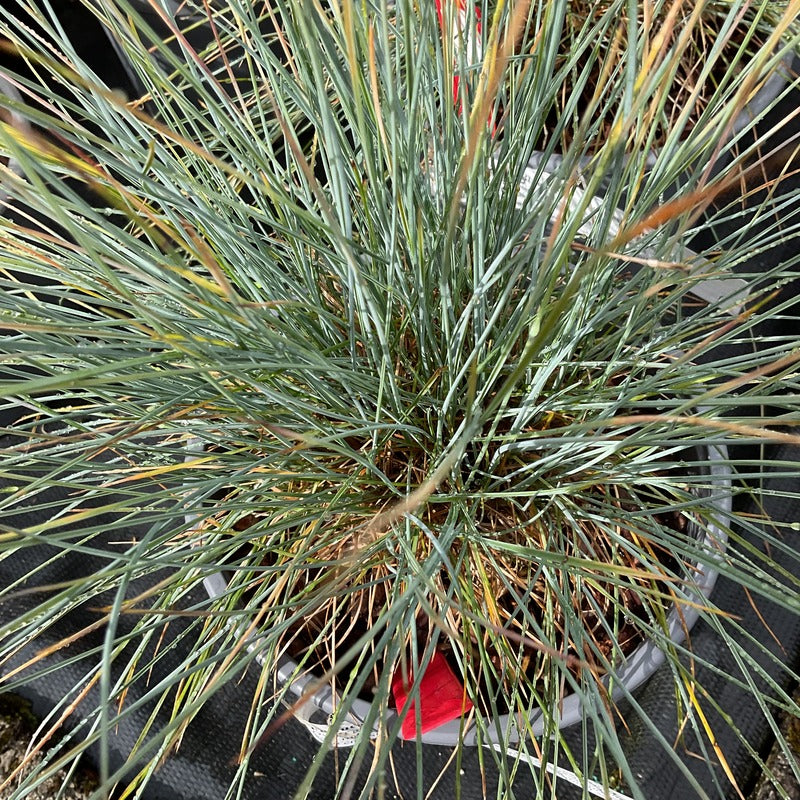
[761,620]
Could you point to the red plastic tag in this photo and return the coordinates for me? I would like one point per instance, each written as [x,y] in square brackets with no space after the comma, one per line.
[457,37]
[441,697]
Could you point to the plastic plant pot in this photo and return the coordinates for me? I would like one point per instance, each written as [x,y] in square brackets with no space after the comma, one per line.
[315,713]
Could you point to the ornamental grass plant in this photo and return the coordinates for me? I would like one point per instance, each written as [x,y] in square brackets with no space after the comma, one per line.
[290,312]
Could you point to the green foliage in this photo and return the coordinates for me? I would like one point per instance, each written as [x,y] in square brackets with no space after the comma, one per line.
[290,312]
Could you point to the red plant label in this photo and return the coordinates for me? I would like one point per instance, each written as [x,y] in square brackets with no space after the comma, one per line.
[457,35]
[441,697]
